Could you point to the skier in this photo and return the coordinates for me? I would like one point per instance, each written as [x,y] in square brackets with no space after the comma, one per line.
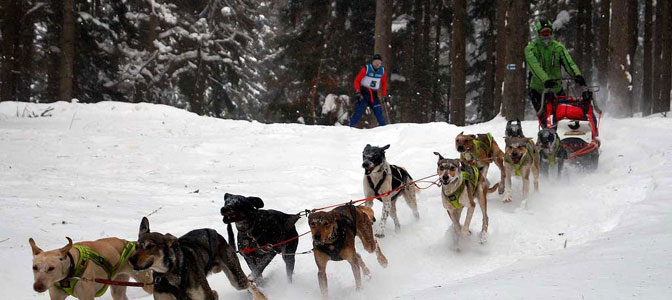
[370,79]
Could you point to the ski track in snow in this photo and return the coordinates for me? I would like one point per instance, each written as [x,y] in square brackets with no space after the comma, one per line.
[119,162]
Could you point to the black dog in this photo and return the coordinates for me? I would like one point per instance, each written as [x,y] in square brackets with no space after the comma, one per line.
[514,129]
[260,227]
[551,152]
[181,265]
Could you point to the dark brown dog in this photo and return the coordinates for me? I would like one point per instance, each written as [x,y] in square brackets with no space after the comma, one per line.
[482,149]
[334,239]
[181,265]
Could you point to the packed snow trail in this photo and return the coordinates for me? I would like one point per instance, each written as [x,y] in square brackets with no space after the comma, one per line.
[93,170]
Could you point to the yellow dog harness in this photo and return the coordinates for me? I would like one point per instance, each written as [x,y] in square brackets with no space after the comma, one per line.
[87,254]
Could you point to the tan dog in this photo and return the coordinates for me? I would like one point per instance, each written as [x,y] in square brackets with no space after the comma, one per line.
[482,149]
[54,269]
[334,239]
[521,156]
[460,184]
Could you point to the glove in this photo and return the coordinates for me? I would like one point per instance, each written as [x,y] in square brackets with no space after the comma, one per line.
[386,99]
[580,80]
[549,84]
[358,96]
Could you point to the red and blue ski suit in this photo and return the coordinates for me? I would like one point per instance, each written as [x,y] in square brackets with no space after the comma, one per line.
[368,82]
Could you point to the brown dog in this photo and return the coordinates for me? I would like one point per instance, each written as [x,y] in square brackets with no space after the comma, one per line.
[334,239]
[460,184]
[54,270]
[521,157]
[483,149]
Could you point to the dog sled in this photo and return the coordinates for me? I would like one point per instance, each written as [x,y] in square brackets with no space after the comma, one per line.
[573,117]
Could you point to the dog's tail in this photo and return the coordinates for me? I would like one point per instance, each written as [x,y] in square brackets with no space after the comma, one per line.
[493,188]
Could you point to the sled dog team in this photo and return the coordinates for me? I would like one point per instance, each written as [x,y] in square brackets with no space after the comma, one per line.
[176,267]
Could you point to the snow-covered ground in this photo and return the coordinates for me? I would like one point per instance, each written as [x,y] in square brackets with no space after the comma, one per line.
[93,171]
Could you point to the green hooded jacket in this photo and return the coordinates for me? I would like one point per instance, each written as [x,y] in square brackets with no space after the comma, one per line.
[544,63]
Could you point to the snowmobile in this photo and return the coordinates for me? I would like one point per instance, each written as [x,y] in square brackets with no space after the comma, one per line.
[572,116]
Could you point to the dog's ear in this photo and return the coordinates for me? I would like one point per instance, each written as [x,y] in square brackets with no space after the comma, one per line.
[386,147]
[256,201]
[226,196]
[506,140]
[64,250]
[461,133]
[518,121]
[439,154]
[35,248]
[170,239]
[473,136]
[368,146]
[508,122]
[144,226]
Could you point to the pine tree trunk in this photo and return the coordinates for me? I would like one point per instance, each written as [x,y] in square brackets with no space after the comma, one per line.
[619,100]
[458,65]
[514,80]
[647,84]
[589,45]
[383,32]
[603,58]
[489,85]
[10,52]
[25,54]
[582,18]
[663,102]
[500,59]
[436,87]
[633,19]
[54,29]
[67,51]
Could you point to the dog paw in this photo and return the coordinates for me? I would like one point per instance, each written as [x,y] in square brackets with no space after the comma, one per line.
[507,199]
[483,237]
[500,189]
[382,260]
[466,232]
[397,229]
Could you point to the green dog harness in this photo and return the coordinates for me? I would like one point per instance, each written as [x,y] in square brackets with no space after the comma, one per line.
[467,178]
[519,165]
[87,254]
[481,149]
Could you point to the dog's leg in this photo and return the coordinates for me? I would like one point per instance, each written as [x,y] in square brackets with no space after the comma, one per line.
[526,183]
[383,218]
[290,259]
[535,173]
[228,262]
[507,191]
[411,200]
[119,292]
[361,264]
[499,161]
[321,260]
[467,220]
[395,218]
[483,203]
[354,265]
[457,228]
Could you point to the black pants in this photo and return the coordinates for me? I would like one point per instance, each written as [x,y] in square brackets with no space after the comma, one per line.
[535,98]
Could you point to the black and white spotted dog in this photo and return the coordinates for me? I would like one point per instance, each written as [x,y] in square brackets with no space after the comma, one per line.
[551,152]
[381,177]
